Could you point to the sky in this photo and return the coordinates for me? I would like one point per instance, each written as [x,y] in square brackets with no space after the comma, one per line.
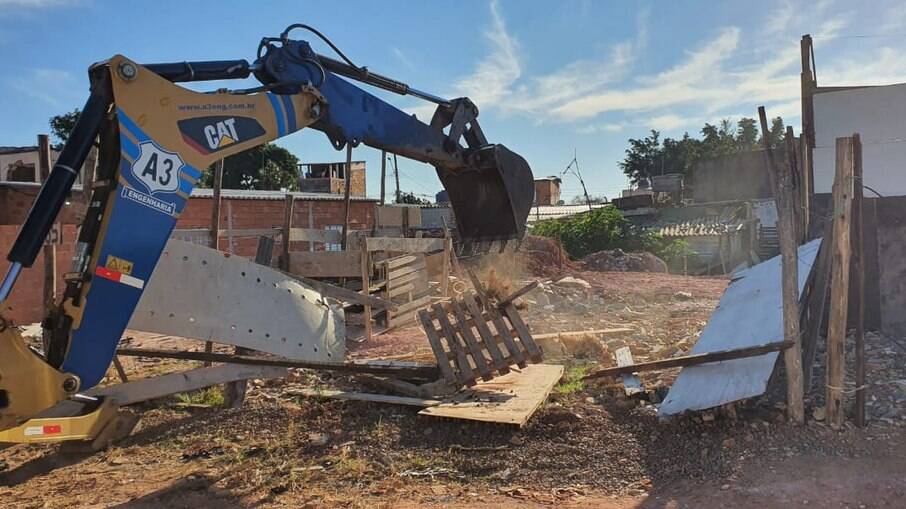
[551,79]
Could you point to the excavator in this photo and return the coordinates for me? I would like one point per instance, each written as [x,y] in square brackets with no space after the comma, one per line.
[154,140]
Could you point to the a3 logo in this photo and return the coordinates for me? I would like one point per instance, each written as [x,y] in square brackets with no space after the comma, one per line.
[156,168]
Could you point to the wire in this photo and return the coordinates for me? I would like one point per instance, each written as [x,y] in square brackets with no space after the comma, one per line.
[285,37]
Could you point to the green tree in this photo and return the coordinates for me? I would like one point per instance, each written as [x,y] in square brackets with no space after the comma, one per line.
[643,158]
[265,167]
[777,132]
[746,134]
[62,125]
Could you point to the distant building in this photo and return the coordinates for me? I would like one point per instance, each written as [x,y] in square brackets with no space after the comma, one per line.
[330,178]
[20,164]
[547,191]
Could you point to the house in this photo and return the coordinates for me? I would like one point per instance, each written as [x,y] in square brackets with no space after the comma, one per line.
[547,191]
[20,164]
[331,178]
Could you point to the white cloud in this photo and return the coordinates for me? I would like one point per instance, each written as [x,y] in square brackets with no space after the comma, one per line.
[34,4]
[57,88]
[402,57]
[494,76]
[612,127]
[780,19]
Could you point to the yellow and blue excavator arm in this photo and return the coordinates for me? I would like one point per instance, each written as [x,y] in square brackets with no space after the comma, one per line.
[155,139]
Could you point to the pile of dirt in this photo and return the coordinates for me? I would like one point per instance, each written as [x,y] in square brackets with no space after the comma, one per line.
[545,257]
[617,260]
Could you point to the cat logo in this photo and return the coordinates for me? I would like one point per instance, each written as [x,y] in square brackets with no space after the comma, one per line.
[215,133]
[221,134]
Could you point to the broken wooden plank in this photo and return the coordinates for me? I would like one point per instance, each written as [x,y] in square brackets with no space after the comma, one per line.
[184,381]
[691,360]
[591,332]
[363,396]
[631,383]
[509,399]
[518,293]
[394,368]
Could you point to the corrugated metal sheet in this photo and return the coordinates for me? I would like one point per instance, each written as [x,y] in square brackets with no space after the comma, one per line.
[750,313]
[252,194]
[542,212]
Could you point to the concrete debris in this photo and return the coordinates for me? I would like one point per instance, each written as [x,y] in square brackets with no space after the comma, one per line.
[573,282]
[619,260]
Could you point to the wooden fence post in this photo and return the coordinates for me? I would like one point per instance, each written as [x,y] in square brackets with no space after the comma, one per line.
[348,182]
[50,246]
[215,226]
[839,301]
[287,226]
[781,181]
[366,286]
[858,274]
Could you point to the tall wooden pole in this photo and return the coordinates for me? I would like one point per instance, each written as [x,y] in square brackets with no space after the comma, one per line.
[50,247]
[783,194]
[215,204]
[383,173]
[215,225]
[348,179]
[839,301]
[808,84]
[366,286]
[396,173]
[858,274]
[287,227]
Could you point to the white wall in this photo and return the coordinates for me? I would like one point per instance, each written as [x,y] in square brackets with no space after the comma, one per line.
[878,114]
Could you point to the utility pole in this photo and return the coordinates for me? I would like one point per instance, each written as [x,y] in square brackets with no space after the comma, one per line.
[575,171]
[396,172]
[383,173]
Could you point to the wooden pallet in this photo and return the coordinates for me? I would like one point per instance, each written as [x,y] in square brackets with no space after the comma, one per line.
[472,339]
[406,285]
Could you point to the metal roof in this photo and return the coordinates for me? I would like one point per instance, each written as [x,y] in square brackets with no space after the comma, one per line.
[701,227]
[542,212]
[254,194]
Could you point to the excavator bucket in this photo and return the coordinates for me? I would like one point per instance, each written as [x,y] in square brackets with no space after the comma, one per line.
[492,199]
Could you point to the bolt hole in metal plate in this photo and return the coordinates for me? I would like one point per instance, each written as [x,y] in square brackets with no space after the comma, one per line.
[199,293]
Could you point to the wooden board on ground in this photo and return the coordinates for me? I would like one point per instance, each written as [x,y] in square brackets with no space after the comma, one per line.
[507,399]
[183,381]
[404,245]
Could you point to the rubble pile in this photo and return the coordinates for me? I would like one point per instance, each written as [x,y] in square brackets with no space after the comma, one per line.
[545,257]
[621,261]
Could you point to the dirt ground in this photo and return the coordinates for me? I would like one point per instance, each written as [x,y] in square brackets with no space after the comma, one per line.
[589,446]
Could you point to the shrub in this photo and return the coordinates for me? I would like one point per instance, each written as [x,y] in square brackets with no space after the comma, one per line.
[605,228]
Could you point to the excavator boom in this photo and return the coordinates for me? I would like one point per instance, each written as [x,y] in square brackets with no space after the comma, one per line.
[155,139]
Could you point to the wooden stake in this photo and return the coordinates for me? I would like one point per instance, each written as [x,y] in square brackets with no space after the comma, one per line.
[50,246]
[858,274]
[287,226]
[366,287]
[343,239]
[836,328]
[215,225]
[383,173]
[445,276]
[786,229]
[691,360]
